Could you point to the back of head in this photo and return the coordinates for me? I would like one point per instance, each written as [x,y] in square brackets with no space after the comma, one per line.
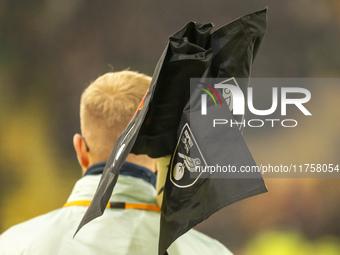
[107,106]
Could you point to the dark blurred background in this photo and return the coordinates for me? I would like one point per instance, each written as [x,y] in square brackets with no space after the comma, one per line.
[51,50]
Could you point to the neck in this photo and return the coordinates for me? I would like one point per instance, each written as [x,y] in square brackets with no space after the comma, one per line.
[142,160]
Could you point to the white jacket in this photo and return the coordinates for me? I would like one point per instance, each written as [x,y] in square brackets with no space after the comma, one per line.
[118,231]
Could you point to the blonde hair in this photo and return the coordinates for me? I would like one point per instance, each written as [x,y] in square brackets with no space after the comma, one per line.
[106,107]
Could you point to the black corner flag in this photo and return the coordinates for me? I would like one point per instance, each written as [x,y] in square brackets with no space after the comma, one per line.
[170,121]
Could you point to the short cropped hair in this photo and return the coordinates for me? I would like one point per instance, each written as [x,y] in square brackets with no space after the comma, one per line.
[106,107]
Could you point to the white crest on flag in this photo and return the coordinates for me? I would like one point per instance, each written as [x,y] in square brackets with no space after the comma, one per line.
[186,159]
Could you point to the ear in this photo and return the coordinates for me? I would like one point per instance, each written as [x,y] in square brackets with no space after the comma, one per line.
[81,151]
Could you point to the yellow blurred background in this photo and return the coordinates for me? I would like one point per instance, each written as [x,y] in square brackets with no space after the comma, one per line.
[51,50]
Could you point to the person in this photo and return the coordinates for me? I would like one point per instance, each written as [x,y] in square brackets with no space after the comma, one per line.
[131,224]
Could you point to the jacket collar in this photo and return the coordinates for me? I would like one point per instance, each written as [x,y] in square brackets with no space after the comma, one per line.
[129,188]
[128,169]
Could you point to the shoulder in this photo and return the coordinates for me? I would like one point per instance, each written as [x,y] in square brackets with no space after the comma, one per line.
[19,238]
[35,224]
[131,231]
[194,242]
